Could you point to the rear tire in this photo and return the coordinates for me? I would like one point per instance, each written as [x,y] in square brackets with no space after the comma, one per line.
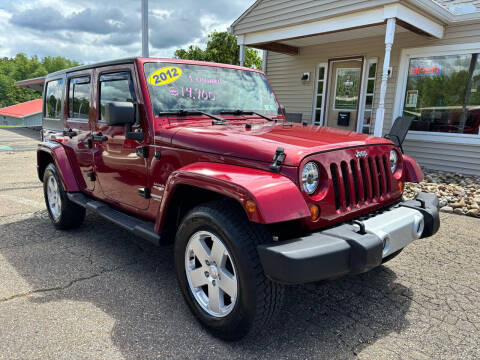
[64,213]
[223,224]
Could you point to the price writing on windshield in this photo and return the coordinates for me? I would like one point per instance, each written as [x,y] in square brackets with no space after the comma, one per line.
[192,93]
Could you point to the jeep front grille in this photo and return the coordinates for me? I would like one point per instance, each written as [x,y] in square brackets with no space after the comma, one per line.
[360,180]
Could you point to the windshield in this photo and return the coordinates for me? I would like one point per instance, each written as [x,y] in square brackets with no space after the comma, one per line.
[207,88]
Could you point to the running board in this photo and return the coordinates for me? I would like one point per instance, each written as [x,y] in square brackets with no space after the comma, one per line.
[138,227]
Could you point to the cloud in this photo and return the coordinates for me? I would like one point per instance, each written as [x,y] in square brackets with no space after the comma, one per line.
[92,30]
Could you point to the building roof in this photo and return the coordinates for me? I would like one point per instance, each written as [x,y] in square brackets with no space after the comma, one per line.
[23,109]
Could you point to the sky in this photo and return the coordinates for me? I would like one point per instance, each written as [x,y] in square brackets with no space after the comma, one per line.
[95,30]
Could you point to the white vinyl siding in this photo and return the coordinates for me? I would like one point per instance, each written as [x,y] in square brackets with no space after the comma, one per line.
[451,156]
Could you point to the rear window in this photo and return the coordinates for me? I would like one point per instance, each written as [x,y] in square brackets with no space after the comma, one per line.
[53,99]
[79,97]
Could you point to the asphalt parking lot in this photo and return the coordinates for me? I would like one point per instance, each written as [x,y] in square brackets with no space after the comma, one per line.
[95,293]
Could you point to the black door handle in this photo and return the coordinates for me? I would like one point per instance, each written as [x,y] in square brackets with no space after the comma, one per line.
[99,138]
[70,133]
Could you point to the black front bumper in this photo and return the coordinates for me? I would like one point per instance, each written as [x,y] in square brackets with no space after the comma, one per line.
[336,251]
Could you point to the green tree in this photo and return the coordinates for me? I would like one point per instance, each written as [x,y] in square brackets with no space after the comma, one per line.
[21,67]
[221,47]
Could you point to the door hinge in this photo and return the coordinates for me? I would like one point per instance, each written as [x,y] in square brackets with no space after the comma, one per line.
[142,151]
[91,176]
[144,192]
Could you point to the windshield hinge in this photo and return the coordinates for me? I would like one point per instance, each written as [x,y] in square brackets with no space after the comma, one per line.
[278,159]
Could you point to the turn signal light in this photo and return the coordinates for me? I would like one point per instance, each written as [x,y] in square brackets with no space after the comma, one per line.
[250,206]
[400,186]
[314,212]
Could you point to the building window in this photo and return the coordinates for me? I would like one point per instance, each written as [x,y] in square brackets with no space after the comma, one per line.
[53,99]
[369,95]
[319,94]
[443,94]
[79,98]
[115,87]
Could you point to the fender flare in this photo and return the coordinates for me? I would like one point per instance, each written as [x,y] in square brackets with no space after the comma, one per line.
[413,172]
[61,161]
[276,197]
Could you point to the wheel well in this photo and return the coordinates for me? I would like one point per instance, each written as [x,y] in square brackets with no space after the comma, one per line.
[43,159]
[184,199]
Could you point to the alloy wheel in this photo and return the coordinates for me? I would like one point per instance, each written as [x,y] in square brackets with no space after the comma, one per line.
[211,274]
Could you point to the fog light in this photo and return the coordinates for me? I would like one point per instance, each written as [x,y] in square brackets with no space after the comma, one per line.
[314,212]
[250,206]
[386,244]
[418,226]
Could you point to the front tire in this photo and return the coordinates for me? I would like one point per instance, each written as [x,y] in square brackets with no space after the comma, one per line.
[64,213]
[220,273]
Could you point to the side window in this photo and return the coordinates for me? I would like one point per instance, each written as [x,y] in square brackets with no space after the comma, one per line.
[115,87]
[79,97]
[53,99]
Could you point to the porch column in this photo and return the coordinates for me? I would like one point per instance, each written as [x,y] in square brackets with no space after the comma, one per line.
[242,55]
[389,35]
[264,61]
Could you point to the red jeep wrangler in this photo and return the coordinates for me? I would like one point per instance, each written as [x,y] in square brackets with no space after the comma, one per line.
[201,155]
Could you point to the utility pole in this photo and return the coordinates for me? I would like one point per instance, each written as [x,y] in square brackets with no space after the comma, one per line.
[144,28]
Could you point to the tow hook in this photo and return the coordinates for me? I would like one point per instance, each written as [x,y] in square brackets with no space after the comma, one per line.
[278,158]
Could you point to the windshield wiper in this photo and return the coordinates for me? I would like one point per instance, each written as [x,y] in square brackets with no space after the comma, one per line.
[183,112]
[242,112]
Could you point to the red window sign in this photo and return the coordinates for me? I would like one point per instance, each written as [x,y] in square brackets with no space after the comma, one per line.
[429,70]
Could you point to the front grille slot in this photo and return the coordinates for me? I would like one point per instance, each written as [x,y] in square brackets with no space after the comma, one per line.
[381,177]
[336,192]
[366,181]
[357,185]
[373,178]
[345,177]
[388,174]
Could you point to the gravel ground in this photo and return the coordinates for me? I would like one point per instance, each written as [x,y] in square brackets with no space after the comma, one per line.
[95,293]
[459,194]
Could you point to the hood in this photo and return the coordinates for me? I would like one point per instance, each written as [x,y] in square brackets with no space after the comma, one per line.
[261,141]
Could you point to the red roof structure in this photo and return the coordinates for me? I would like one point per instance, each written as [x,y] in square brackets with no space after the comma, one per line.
[23,109]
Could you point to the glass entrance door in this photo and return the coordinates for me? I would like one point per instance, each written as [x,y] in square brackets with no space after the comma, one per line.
[344,94]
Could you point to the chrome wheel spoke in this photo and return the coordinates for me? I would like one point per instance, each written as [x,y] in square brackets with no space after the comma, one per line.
[214,298]
[200,250]
[218,254]
[198,278]
[228,283]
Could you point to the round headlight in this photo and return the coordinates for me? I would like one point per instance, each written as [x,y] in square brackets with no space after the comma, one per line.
[393,160]
[310,177]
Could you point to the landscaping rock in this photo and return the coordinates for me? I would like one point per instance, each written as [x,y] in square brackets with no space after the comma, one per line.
[457,193]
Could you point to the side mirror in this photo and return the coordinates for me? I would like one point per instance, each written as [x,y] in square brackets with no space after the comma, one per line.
[281,110]
[119,113]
